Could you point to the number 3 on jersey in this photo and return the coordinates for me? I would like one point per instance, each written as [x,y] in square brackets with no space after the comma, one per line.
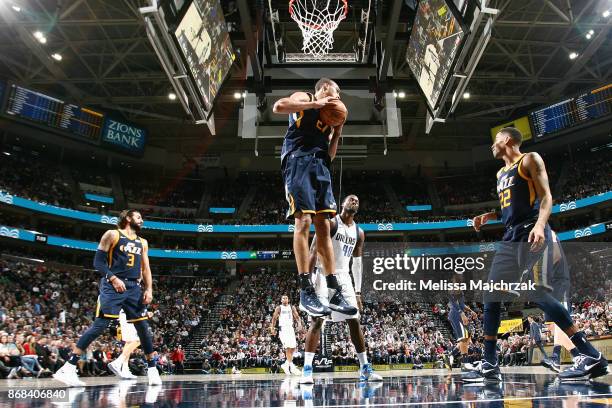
[504,198]
[131,259]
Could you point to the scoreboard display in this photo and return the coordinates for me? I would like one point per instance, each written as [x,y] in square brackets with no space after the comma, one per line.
[269,255]
[49,111]
[572,112]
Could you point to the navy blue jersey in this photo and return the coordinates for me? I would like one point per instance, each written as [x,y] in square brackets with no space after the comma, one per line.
[456,303]
[517,195]
[307,134]
[125,257]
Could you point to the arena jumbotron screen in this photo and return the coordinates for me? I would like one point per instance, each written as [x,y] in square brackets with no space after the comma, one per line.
[433,46]
[205,43]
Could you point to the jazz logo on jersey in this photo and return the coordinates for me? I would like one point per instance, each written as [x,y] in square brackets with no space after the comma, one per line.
[131,248]
[504,183]
[503,190]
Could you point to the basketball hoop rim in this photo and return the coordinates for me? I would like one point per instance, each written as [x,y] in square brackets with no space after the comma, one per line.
[316,26]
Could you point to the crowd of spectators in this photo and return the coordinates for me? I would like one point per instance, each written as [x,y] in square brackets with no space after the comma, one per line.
[269,205]
[172,198]
[44,309]
[588,177]
[395,332]
[26,175]
[466,189]
[179,198]
[243,339]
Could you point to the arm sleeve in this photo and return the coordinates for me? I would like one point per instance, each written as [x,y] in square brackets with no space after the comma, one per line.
[101,263]
[357,272]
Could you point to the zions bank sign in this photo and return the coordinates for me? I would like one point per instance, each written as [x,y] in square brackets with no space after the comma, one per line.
[124,136]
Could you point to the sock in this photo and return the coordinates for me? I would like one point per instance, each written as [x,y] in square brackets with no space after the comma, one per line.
[582,344]
[363,358]
[151,363]
[556,355]
[332,282]
[574,352]
[74,359]
[305,281]
[490,351]
[308,357]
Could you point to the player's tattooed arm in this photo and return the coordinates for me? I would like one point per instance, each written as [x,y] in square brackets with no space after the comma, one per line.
[536,170]
[146,273]
[107,240]
[274,320]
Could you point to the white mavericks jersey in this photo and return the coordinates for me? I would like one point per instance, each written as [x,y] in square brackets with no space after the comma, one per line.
[344,242]
[286,316]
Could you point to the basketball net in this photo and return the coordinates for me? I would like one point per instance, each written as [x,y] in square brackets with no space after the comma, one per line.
[317,20]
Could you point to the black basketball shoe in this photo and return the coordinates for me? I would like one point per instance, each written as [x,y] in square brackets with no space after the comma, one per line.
[338,303]
[549,363]
[585,368]
[310,303]
[484,372]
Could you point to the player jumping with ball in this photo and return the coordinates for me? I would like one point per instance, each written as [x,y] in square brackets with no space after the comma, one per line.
[308,149]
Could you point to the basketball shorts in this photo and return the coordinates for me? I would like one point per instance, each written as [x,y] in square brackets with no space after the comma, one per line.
[459,329]
[345,282]
[308,186]
[514,262]
[110,302]
[128,331]
[287,337]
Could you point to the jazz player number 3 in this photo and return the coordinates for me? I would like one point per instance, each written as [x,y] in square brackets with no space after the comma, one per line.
[308,149]
[122,258]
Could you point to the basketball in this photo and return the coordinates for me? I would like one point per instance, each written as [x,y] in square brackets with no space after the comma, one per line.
[334,114]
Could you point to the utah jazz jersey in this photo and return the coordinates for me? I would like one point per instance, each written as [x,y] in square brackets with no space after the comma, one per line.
[125,257]
[517,196]
[456,303]
[307,134]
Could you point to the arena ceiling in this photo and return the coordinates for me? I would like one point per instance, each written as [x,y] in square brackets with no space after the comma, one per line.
[108,63]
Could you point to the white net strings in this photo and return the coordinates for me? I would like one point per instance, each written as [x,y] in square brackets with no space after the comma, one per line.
[317,20]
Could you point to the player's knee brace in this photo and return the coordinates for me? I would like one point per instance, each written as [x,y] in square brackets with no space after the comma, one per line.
[98,327]
[492,318]
[554,310]
[144,334]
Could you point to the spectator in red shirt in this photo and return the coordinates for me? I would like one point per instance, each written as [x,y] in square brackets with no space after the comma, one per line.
[178,357]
